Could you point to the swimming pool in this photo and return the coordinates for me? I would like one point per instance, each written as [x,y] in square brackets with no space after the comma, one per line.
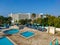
[27,34]
[5,41]
[11,31]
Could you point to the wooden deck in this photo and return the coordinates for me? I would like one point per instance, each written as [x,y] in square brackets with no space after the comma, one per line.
[40,38]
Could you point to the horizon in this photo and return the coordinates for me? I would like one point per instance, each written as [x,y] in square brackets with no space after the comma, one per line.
[30,6]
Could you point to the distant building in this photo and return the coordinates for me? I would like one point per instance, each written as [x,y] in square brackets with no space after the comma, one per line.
[19,16]
[39,16]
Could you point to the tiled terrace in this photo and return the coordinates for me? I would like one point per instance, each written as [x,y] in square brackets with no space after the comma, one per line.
[40,38]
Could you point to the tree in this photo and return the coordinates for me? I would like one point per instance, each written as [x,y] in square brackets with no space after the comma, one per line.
[1,19]
[33,15]
[24,21]
[39,20]
[45,21]
[56,22]
[34,21]
[5,20]
[50,20]
[9,20]
[58,16]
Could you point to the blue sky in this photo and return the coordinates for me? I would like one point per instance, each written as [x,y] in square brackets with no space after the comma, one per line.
[30,6]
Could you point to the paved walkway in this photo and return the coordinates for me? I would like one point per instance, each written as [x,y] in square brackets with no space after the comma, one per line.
[40,38]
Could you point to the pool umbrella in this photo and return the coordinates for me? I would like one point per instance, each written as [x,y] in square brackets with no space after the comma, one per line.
[42,28]
[7,25]
[50,43]
[38,24]
[56,42]
[4,25]
[35,27]
[34,23]
[46,25]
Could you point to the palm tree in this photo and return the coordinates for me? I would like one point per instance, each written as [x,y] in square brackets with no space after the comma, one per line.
[33,15]
[9,20]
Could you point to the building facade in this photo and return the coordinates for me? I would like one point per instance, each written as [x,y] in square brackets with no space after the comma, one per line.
[18,16]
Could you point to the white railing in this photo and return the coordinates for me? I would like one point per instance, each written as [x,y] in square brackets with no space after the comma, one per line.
[57,29]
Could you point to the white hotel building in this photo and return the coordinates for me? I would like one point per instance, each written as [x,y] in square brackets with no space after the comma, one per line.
[19,16]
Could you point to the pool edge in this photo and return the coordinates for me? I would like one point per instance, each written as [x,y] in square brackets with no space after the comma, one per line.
[27,37]
[11,41]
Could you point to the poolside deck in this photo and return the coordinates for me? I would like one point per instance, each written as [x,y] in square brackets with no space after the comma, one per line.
[40,38]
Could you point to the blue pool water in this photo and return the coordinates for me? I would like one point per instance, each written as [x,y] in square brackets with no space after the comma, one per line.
[27,34]
[11,31]
[5,41]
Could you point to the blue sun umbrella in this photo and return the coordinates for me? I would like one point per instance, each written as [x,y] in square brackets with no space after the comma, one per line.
[56,42]
[50,43]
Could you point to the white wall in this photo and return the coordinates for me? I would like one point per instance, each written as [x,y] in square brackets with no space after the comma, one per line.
[52,29]
[57,29]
